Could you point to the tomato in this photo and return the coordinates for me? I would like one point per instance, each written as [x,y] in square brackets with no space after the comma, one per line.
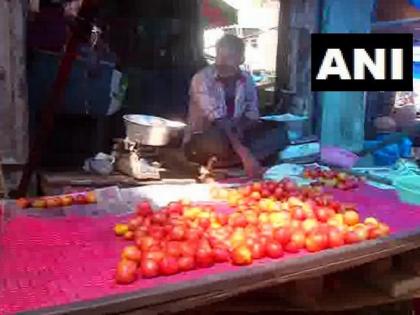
[120,229]
[316,242]
[204,223]
[149,268]
[257,186]
[80,199]
[174,249]
[133,224]
[335,238]
[258,250]
[129,235]
[298,238]
[309,225]
[177,233]
[371,221]
[351,237]
[267,230]
[323,214]
[175,207]
[351,217]
[168,266]
[362,232]
[241,255]
[126,272]
[131,253]
[274,249]
[186,263]
[145,243]
[282,235]
[374,233]
[222,218]
[155,255]
[157,232]
[384,229]
[292,247]
[298,213]
[144,209]
[221,255]
[265,193]
[255,195]
[239,220]
[159,218]
[187,249]
[204,257]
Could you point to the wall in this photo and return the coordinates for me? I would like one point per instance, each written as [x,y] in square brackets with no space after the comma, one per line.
[13,108]
[343,113]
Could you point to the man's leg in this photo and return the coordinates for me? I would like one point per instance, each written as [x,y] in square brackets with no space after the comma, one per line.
[211,143]
[266,139]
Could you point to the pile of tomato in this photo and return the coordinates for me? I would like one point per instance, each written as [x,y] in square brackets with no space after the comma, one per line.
[264,220]
[331,178]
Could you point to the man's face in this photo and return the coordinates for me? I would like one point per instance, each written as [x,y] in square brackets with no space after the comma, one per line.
[228,61]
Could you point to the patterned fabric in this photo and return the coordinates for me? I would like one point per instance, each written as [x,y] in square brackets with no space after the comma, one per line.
[208,103]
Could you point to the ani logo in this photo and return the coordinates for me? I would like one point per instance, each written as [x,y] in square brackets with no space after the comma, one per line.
[362,62]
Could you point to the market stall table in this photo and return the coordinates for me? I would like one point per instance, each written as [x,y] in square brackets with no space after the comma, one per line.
[66,265]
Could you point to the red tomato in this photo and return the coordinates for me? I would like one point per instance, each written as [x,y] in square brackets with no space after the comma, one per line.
[144,209]
[156,256]
[145,243]
[265,193]
[282,235]
[159,218]
[174,249]
[131,253]
[316,242]
[298,213]
[298,238]
[255,195]
[351,237]
[266,229]
[256,186]
[204,257]
[335,238]
[169,266]
[157,232]
[204,223]
[175,207]
[177,233]
[222,218]
[241,255]
[258,250]
[362,232]
[374,233]
[239,220]
[129,235]
[126,272]
[323,214]
[221,255]
[187,249]
[279,193]
[186,263]
[149,268]
[292,247]
[274,250]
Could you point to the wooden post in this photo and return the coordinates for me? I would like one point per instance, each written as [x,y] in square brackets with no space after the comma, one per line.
[343,113]
[13,107]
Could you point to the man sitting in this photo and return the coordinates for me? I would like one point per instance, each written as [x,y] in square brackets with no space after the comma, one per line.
[224,115]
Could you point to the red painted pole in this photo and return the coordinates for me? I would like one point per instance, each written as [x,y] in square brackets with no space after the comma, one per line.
[55,99]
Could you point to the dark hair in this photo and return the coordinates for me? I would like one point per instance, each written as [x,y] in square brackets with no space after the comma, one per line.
[232,42]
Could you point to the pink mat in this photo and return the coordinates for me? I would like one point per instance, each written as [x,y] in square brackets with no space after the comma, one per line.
[51,262]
